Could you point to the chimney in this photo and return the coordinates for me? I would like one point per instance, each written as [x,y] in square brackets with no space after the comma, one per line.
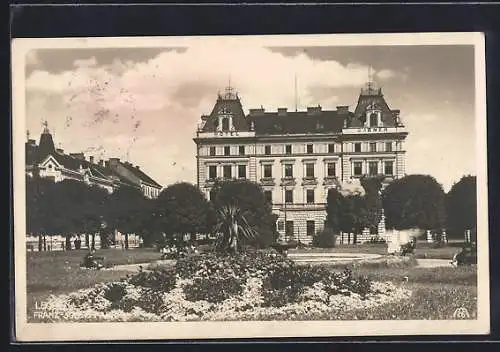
[31,142]
[60,151]
[113,162]
[313,110]
[342,109]
[256,112]
[91,159]
[137,167]
[282,111]
[101,163]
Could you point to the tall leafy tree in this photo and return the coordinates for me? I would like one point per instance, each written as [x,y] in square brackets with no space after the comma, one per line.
[183,209]
[371,211]
[249,198]
[461,205]
[333,209]
[414,201]
[126,211]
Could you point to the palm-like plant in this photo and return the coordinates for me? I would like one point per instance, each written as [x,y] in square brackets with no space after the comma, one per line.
[231,225]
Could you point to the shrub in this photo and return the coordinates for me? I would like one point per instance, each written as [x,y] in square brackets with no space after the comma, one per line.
[160,279]
[345,283]
[213,291]
[114,292]
[325,239]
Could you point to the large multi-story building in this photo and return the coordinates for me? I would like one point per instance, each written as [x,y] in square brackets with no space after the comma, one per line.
[48,162]
[297,156]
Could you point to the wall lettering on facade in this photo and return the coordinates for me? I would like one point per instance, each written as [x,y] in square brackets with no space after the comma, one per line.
[372,129]
[226,133]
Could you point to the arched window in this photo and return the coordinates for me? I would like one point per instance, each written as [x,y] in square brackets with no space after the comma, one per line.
[373,120]
[225,124]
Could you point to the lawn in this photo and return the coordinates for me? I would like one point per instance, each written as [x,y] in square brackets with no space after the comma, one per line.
[59,272]
[423,250]
[436,293]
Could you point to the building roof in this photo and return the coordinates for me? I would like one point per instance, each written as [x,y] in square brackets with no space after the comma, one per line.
[36,154]
[141,175]
[230,104]
[373,97]
[300,122]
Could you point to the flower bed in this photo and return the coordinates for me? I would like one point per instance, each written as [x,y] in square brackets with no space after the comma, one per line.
[244,287]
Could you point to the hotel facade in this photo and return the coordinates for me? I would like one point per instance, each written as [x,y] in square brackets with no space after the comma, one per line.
[298,156]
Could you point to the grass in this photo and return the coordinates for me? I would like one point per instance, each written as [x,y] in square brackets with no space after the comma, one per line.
[423,250]
[436,292]
[59,272]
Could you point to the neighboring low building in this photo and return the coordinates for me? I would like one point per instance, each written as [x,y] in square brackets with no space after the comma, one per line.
[48,162]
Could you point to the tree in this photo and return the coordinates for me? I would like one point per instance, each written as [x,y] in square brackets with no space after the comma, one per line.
[184,210]
[39,208]
[333,209]
[127,211]
[350,217]
[414,201]
[249,198]
[232,225]
[461,205]
[371,212]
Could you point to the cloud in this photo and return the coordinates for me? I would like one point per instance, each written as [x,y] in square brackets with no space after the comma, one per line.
[32,58]
[91,62]
[385,74]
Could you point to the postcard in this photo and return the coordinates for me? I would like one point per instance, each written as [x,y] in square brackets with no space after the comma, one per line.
[250,186]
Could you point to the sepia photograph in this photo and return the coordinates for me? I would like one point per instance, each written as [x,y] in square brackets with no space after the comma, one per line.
[250,186]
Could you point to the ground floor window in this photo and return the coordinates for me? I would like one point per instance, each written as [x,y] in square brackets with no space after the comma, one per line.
[310,226]
[281,225]
[242,171]
[289,228]
[212,172]
[227,171]
[269,196]
[358,168]
[388,168]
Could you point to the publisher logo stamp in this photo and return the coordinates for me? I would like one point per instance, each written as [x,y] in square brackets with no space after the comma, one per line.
[461,313]
[44,312]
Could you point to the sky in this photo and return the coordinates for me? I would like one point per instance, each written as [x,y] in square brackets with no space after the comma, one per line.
[144,104]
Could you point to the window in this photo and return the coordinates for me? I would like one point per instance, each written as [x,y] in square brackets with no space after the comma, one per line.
[241,150]
[289,228]
[310,196]
[268,196]
[227,171]
[358,168]
[309,170]
[331,148]
[212,151]
[242,171]
[357,147]
[225,124]
[212,195]
[388,168]
[372,168]
[330,168]
[373,147]
[373,120]
[268,171]
[267,150]
[212,172]
[288,196]
[288,149]
[309,149]
[281,225]
[288,170]
[388,146]
[227,150]
[310,227]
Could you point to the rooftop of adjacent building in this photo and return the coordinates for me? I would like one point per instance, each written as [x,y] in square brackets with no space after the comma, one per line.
[76,161]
